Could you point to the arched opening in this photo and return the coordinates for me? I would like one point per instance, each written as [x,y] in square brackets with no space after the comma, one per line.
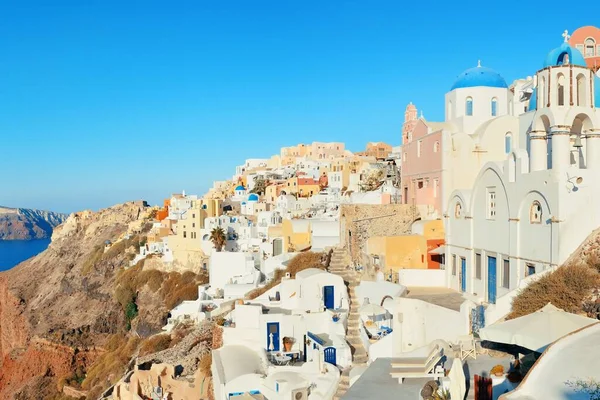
[469,106]
[563,59]
[535,213]
[494,107]
[543,92]
[561,89]
[508,143]
[458,210]
[590,47]
[581,90]
[581,124]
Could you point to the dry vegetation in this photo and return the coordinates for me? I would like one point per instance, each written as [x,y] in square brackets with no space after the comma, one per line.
[111,365]
[98,255]
[300,262]
[566,288]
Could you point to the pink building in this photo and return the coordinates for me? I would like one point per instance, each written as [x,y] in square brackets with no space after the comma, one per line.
[421,161]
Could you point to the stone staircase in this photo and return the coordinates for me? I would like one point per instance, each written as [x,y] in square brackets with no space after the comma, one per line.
[360,358]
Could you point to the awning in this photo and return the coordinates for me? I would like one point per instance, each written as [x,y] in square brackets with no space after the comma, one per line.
[439,250]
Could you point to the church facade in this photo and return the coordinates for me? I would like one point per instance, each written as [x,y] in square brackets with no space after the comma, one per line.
[527,214]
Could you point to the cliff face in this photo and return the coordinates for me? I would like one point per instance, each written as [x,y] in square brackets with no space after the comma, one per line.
[25,224]
[57,308]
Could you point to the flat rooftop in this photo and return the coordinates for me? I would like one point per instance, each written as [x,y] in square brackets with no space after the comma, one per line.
[376,381]
[442,297]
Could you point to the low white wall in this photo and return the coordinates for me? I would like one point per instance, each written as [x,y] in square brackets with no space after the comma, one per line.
[422,277]
[503,306]
[418,323]
[383,348]
[375,291]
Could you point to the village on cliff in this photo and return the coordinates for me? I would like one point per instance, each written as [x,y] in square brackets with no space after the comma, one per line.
[395,273]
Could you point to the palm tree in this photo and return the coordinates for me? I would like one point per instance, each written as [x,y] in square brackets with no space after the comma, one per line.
[217,237]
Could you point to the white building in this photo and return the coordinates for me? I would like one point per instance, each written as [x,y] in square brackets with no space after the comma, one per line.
[180,204]
[528,213]
[232,268]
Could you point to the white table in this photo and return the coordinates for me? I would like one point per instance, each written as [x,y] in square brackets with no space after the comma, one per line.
[281,360]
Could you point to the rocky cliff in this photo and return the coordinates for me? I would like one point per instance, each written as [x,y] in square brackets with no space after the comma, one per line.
[26,224]
[57,309]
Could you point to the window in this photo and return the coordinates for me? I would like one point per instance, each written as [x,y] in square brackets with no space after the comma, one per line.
[494,107]
[561,90]
[535,213]
[420,184]
[529,269]
[184,234]
[193,215]
[506,274]
[491,203]
[590,47]
[508,143]
[419,148]
[469,106]
[458,210]
[454,264]
[477,266]
[193,224]
[436,147]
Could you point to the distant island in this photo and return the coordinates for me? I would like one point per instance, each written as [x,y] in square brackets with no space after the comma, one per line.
[27,224]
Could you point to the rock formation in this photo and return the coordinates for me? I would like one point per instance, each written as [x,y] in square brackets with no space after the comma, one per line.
[26,224]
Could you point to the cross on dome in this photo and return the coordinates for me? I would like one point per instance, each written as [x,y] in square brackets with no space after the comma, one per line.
[479,63]
[566,35]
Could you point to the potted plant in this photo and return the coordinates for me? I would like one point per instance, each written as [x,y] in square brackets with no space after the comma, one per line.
[287,344]
[336,317]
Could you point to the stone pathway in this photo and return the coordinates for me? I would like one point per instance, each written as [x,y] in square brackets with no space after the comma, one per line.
[339,261]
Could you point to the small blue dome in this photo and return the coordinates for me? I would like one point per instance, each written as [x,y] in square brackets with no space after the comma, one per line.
[479,76]
[240,188]
[533,100]
[596,91]
[243,203]
[556,57]
[253,197]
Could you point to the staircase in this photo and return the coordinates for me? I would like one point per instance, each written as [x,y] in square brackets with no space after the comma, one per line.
[360,358]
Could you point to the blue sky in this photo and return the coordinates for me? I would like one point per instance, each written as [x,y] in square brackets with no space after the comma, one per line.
[107,101]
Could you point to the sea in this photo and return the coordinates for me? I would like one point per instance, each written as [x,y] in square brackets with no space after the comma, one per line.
[12,252]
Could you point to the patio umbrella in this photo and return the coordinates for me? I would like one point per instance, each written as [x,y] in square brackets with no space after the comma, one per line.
[536,330]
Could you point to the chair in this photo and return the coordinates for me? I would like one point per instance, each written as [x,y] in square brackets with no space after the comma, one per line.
[467,347]
[419,367]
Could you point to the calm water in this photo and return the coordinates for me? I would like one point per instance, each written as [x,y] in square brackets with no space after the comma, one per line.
[13,252]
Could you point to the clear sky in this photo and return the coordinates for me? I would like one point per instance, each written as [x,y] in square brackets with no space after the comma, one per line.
[107,101]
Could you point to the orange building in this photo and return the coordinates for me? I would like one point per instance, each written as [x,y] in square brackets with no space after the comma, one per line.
[379,150]
[587,40]
[164,211]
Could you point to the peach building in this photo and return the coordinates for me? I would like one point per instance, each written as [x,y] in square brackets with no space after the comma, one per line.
[379,150]
[587,40]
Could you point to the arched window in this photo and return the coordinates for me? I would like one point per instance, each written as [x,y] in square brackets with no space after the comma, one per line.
[561,89]
[535,213]
[542,90]
[436,147]
[581,90]
[590,47]
[494,107]
[458,210]
[508,143]
[469,106]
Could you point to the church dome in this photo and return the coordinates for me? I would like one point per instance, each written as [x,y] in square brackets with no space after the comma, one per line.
[479,76]
[240,188]
[556,56]
[253,197]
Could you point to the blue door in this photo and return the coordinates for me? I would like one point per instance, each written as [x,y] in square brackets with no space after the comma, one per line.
[463,274]
[328,297]
[492,280]
[330,355]
[273,336]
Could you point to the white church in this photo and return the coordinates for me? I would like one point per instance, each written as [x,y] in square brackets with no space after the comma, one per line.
[528,213]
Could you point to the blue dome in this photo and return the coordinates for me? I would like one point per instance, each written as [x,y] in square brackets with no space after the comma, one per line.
[240,188]
[556,56]
[479,76]
[533,100]
[253,197]
[596,91]
[243,203]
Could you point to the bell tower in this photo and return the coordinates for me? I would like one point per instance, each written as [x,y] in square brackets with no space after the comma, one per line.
[410,120]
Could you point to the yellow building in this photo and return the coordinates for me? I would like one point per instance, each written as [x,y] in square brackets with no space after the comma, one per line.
[296,234]
[407,251]
[379,150]
[185,244]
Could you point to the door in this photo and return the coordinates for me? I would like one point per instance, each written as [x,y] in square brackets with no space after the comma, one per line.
[277,247]
[463,274]
[492,280]
[273,336]
[330,355]
[328,297]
